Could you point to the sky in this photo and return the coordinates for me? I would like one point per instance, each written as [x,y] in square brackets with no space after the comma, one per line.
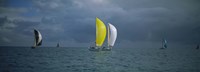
[72,22]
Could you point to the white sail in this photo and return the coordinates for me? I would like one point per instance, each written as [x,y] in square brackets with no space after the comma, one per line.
[112,35]
[38,38]
[164,43]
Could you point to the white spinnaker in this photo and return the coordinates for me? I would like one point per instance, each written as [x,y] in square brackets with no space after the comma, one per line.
[40,37]
[164,43]
[113,35]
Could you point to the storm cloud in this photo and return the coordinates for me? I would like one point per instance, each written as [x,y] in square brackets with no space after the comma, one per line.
[72,22]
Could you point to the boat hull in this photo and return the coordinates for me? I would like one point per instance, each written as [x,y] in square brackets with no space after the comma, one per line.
[94,49]
[106,49]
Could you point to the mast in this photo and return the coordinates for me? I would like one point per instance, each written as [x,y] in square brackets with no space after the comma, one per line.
[34,45]
[163,43]
[108,34]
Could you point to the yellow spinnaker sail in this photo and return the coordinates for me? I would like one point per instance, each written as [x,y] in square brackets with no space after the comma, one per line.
[100,32]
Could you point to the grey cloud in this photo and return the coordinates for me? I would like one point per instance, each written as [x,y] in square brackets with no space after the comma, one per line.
[7,11]
[136,20]
[147,22]
[16,32]
[151,23]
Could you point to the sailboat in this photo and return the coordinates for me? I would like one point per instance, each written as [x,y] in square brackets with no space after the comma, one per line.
[100,35]
[37,38]
[164,44]
[197,47]
[111,36]
[58,45]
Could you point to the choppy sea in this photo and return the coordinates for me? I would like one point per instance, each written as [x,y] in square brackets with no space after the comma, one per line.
[80,59]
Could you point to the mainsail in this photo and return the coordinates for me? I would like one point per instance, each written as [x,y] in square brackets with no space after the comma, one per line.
[38,38]
[100,32]
[112,35]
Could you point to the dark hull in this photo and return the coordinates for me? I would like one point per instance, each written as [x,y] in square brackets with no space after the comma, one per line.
[94,49]
[106,49]
[99,49]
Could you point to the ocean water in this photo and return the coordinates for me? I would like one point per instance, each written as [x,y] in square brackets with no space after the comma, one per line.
[80,59]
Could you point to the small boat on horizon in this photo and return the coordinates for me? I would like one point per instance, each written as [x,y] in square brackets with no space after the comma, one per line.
[37,39]
[197,46]
[58,45]
[100,35]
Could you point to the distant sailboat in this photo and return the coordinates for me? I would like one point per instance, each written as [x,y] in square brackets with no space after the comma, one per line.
[58,45]
[164,44]
[197,47]
[100,35]
[112,36]
[37,38]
